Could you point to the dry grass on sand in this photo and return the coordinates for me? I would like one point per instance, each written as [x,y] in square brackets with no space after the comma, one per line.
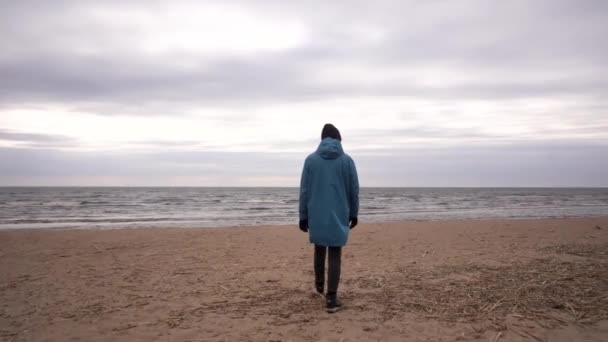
[494,280]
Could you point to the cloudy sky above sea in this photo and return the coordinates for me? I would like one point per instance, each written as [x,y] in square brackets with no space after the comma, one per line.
[235,93]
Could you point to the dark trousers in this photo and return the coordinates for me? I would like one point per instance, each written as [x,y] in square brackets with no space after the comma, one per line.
[333,272]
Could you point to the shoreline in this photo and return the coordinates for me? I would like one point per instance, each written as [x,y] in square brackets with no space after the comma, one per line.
[281,225]
[468,280]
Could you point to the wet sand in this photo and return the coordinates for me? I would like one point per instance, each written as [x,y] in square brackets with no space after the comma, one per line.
[489,280]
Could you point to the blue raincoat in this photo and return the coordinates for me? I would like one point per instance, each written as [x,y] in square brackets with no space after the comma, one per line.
[329,194]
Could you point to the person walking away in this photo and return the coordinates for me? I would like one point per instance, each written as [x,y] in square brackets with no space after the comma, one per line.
[328,208]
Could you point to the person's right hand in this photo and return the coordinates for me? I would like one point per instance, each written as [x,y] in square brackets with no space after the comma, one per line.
[353,222]
[304,225]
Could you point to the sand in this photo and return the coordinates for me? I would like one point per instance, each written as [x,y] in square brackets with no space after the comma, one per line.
[490,280]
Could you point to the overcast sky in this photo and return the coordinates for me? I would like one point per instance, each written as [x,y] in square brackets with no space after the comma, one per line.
[224,93]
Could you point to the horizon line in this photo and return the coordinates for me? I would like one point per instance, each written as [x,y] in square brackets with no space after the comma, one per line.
[296,187]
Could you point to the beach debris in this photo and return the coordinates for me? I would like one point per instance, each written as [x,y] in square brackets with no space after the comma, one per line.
[550,290]
[598,227]
[582,250]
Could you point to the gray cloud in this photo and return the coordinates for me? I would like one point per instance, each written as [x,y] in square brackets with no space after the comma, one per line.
[36,140]
[48,166]
[275,79]
[546,48]
[32,137]
[508,53]
[513,164]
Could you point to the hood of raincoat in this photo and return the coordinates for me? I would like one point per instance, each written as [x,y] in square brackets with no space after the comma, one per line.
[330,149]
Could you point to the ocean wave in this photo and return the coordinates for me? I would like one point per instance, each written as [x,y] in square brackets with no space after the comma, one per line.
[225,207]
[373,208]
[95,203]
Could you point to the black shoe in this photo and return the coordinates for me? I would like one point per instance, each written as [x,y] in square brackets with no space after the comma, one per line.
[333,303]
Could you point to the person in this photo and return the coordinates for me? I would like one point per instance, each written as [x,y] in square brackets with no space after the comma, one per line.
[328,208]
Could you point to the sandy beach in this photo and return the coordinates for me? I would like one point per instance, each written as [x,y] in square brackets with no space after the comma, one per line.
[487,280]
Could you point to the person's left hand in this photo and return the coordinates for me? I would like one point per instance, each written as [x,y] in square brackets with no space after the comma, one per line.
[304,225]
[353,222]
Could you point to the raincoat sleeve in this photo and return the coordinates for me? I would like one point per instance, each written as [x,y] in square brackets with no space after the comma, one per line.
[304,192]
[353,200]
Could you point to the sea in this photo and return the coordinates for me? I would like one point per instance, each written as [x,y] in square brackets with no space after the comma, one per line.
[184,207]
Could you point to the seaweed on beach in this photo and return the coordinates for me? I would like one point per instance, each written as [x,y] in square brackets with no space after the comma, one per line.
[545,289]
[550,290]
[581,250]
